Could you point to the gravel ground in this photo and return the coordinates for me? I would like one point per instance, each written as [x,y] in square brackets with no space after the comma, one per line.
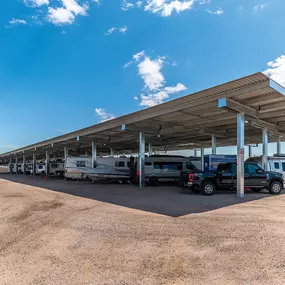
[49,237]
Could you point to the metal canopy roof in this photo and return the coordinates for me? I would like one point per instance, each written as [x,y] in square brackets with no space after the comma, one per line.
[187,122]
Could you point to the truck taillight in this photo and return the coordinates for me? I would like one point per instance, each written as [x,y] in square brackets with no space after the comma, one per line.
[191,177]
[138,173]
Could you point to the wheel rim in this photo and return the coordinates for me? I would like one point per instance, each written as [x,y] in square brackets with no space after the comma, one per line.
[276,187]
[209,188]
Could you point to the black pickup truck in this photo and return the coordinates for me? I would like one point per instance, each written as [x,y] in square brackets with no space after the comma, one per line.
[255,179]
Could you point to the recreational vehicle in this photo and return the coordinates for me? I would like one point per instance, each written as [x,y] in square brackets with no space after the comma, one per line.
[165,168]
[275,163]
[113,168]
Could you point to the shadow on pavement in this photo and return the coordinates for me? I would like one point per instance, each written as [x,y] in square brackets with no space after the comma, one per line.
[165,200]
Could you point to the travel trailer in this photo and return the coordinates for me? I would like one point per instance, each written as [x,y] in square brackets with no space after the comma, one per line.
[166,168]
[274,163]
[56,168]
[112,168]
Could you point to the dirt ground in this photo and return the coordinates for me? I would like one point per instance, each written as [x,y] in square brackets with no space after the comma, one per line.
[101,235]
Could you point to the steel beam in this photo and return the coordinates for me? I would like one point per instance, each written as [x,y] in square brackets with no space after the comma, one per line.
[47,163]
[265,148]
[202,158]
[24,164]
[240,155]
[65,150]
[10,165]
[142,160]
[250,151]
[237,107]
[16,165]
[279,144]
[94,154]
[150,149]
[214,144]
[34,163]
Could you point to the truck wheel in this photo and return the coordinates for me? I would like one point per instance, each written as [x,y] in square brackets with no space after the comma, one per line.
[275,187]
[208,188]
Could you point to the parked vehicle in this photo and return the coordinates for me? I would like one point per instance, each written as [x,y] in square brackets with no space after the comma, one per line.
[166,168]
[56,168]
[225,177]
[112,168]
[274,163]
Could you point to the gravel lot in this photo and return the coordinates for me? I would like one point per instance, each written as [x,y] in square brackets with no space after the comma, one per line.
[118,234]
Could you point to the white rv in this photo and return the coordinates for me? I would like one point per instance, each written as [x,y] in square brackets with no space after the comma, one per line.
[56,168]
[165,168]
[113,168]
[275,163]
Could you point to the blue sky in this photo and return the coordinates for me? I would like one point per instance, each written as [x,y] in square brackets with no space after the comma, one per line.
[67,64]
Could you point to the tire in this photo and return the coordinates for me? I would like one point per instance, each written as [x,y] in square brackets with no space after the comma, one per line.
[153,181]
[275,187]
[256,190]
[208,188]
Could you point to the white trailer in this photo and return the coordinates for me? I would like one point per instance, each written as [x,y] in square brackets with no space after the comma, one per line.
[275,163]
[112,168]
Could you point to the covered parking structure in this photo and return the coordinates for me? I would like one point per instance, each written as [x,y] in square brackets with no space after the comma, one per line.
[245,111]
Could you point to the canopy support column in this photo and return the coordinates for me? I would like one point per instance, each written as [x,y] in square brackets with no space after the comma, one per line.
[240,155]
[16,165]
[202,158]
[279,146]
[265,148]
[24,164]
[214,144]
[149,149]
[94,154]
[250,151]
[34,163]
[47,163]
[142,160]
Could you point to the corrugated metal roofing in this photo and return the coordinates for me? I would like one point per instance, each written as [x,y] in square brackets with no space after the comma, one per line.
[178,122]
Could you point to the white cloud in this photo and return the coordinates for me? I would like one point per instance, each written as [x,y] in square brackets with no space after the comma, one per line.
[110,31]
[276,70]
[149,70]
[36,3]
[138,55]
[167,7]
[163,7]
[113,29]
[73,6]
[126,5]
[259,7]
[155,91]
[103,115]
[123,29]
[218,12]
[60,16]
[15,22]
[175,89]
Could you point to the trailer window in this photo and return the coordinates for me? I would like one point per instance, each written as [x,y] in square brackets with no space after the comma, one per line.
[119,164]
[80,163]
[276,165]
[40,167]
